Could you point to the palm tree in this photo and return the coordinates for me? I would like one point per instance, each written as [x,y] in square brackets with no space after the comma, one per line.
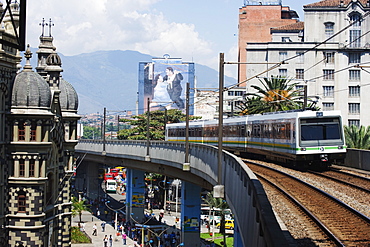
[78,206]
[221,204]
[276,94]
[357,137]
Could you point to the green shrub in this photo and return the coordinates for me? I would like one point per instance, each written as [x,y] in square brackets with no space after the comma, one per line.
[78,237]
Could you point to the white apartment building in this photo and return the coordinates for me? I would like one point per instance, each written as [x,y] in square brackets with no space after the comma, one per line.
[206,103]
[329,53]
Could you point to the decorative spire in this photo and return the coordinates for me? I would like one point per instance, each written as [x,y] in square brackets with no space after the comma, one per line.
[28,55]
[50,25]
[43,24]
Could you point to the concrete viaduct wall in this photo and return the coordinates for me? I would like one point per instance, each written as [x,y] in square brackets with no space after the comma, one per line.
[244,193]
[358,158]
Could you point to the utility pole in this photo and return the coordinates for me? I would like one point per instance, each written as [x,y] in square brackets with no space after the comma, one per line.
[218,190]
[147,157]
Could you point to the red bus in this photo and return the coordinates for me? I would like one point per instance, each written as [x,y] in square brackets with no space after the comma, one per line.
[108,176]
[114,171]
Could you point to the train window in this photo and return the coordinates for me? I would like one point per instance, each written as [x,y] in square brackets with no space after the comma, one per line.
[256,131]
[241,130]
[321,130]
[249,131]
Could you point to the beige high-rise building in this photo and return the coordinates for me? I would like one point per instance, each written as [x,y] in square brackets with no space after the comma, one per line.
[328,53]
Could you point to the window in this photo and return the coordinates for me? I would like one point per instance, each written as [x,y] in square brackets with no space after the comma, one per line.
[300,89]
[354,108]
[354,122]
[32,168]
[328,106]
[238,102]
[355,31]
[285,39]
[354,75]
[354,91]
[21,202]
[283,55]
[329,29]
[300,57]
[33,131]
[354,57]
[329,57]
[239,93]
[230,93]
[328,74]
[299,74]
[21,131]
[328,91]
[283,72]
[22,168]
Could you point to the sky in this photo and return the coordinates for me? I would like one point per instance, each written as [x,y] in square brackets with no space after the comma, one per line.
[194,30]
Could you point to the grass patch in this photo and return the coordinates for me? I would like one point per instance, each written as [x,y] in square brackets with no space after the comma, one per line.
[218,239]
[78,237]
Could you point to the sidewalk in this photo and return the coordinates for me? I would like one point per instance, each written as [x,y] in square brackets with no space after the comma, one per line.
[97,241]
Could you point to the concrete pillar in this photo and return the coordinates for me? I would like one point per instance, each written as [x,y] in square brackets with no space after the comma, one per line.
[135,195]
[190,214]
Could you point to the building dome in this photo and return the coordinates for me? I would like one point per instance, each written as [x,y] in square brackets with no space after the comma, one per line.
[68,96]
[54,59]
[30,89]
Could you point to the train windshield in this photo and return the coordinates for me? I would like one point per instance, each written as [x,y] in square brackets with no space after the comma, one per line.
[321,131]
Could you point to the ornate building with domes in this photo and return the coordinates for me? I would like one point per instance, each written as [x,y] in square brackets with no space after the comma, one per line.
[38,134]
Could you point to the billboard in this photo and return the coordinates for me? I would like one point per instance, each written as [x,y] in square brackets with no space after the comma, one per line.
[163,82]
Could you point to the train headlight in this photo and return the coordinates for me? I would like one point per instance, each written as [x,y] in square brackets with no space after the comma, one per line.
[303,149]
[340,147]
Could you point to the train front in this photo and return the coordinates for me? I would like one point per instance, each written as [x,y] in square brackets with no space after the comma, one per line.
[320,138]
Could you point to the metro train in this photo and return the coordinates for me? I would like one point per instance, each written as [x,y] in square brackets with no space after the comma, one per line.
[292,137]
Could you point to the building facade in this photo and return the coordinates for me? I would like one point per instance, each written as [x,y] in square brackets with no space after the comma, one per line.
[39,131]
[255,20]
[328,53]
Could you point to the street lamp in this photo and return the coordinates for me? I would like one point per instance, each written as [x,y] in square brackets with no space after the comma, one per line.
[142,226]
[116,211]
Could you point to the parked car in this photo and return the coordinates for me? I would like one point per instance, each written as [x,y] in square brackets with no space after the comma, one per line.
[229,224]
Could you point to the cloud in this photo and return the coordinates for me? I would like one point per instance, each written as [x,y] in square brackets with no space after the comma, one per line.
[87,26]
[124,25]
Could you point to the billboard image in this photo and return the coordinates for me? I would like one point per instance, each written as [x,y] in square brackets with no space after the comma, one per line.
[163,82]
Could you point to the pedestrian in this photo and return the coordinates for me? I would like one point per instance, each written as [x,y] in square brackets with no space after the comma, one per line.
[178,238]
[124,238]
[83,226]
[98,213]
[95,228]
[103,226]
[110,241]
[105,241]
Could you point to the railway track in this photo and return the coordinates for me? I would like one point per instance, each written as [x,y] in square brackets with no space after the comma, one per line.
[344,225]
[351,180]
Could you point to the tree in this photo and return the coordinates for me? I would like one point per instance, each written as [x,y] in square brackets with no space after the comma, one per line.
[276,94]
[91,132]
[158,119]
[78,206]
[357,137]
[221,204]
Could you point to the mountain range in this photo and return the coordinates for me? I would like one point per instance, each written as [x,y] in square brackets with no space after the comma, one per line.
[110,78]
